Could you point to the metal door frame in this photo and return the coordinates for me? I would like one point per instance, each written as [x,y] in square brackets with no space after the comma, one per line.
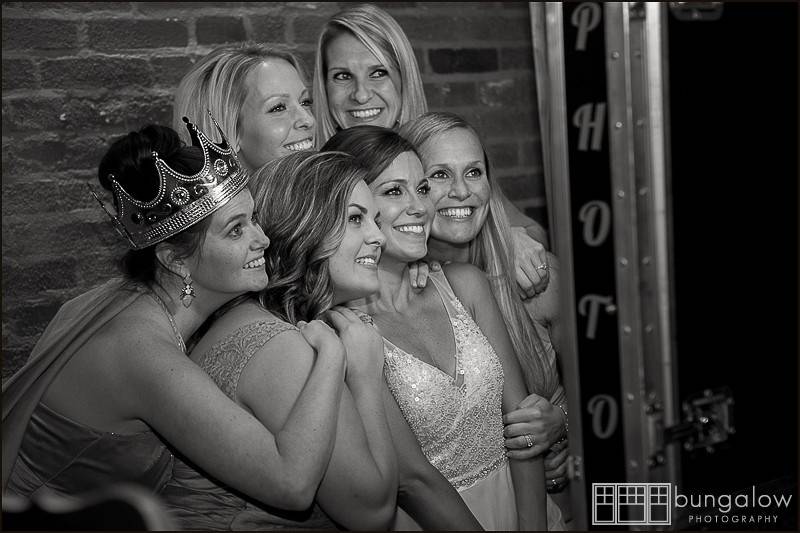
[638,124]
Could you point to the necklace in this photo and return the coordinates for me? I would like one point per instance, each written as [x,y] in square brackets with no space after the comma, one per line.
[177,333]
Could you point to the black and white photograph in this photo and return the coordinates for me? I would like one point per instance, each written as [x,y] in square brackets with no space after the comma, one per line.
[507,266]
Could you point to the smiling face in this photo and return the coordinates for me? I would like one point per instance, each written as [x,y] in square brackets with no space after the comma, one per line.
[354,265]
[401,196]
[456,169]
[360,89]
[230,260]
[276,116]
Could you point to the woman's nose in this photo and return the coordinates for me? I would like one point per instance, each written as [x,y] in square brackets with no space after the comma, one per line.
[459,189]
[305,120]
[361,92]
[261,241]
[416,206]
[375,236]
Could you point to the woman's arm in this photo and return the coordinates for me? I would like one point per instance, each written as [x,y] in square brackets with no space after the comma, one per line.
[424,493]
[472,288]
[359,487]
[169,392]
[530,241]
[546,307]
[519,220]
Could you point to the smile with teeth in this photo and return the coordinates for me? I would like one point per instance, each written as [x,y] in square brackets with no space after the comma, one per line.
[456,212]
[255,263]
[367,260]
[416,229]
[305,144]
[365,113]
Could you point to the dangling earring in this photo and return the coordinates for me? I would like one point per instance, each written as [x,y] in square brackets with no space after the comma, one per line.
[187,294]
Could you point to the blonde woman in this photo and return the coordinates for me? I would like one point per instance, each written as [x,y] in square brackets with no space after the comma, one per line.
[470,226]
[258,93]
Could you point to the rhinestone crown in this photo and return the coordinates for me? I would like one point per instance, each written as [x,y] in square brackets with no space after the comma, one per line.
[181,200]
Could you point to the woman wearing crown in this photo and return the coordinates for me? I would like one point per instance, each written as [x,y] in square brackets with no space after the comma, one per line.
[108,385]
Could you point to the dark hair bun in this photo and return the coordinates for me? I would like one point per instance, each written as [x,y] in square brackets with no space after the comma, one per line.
[130,160]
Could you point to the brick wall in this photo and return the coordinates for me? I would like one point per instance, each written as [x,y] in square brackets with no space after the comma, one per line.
[78,74]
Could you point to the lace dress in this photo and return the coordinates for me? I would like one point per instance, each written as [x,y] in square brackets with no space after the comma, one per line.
[198,502]
[458,420]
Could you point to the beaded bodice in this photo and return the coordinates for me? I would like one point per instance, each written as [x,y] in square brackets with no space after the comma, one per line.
[457,420]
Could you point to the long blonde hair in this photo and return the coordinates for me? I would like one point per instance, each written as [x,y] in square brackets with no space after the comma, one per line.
[385,39]
[217,83]
[492,250]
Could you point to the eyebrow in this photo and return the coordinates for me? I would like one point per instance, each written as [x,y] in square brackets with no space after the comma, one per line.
[370,67]
[231,220]
[447,165]
[360,207]
[278,95]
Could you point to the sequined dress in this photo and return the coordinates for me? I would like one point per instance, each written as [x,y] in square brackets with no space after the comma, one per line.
[198,502]
[458,420]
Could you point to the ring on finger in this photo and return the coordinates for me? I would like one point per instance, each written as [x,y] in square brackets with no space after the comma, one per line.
[543,266]
[529,439]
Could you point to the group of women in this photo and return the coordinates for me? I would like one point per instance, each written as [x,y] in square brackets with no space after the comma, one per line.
[336,375]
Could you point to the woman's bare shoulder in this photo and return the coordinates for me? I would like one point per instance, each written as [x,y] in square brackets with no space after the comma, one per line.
[468,281]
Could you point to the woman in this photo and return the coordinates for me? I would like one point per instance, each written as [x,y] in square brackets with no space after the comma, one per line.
[258,92]
[453,403]
[325,251]
[366,73]
[109,377]
[470,226]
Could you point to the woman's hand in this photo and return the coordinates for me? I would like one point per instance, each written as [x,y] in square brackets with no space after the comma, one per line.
[532,267]
[534,427]
[322,338]
[362,342]
[555,466]
[418,272]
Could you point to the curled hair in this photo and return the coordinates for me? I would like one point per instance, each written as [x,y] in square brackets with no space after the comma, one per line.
[492,250]
[130,160]
[385,39]
[301,203]
[217,82]
[375,147]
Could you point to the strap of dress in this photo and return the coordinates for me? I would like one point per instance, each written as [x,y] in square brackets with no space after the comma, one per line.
[175,331]
[446,292]
[226,360]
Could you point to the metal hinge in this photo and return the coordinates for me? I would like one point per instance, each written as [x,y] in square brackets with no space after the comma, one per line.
[636,10]
[706,422]
[696,11]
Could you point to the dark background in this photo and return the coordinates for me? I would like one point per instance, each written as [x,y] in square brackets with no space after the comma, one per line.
[734,95]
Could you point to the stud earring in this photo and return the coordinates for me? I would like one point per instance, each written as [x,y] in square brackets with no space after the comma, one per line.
[187,293]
